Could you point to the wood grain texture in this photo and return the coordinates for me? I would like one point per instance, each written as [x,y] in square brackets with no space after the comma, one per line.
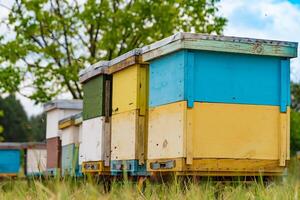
[130,89]
[93,144]
[236,131]
[227,131]
[226,167]
[166,131]
[239,45]
[128,136]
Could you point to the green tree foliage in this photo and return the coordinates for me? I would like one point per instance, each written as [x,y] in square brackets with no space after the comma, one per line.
[295,95]
[14,121]
[1,128]
[37,125]
[54,39]
[295,131]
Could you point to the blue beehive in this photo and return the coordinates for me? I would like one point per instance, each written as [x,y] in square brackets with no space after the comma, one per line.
[9,159]
[218,105]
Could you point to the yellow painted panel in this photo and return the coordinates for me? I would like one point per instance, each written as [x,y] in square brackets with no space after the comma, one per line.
[128,136]
[130,89]
[166,131]
[123,135]
[236,131]
[125,90]
[220,167]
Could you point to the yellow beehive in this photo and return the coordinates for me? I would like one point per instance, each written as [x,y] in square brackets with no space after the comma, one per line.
[129,110]
[218,139]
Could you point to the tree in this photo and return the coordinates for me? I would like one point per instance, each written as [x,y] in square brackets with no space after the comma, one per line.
[295,96]
[295,132]
[14,120]
[54,39]
[37,126]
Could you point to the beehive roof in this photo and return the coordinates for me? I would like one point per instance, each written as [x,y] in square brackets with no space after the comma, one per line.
[93,70]
[219,43]
[70,120]
[74,104]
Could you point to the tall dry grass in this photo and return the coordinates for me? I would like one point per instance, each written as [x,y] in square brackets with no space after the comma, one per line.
[68,188]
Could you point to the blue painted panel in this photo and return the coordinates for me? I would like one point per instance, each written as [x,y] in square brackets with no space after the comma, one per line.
[167,79]
[217,77]
[131,167]
[69,162]
[236,78]
[9,161]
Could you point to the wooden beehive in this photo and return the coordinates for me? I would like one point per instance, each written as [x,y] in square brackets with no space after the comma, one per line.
[96,85]
[36,158]
[95,145]
[55,111]
[10,159]
[94,150]
[129,113]
[70,127]
[218,105]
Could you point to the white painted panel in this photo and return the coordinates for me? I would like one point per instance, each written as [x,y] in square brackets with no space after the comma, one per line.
[53,117]
[92,146]
[166,138]
[123,136]
[36,160]
[69,135]
[80,160]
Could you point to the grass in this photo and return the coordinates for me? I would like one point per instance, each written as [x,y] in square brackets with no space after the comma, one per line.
[284,188]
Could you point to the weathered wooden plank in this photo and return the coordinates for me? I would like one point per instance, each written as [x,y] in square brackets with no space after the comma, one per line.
[99,68]
[236,131]
[125,90]
[219,167]
[93,139]
[166,131]
[189,135]
[282,139]
[124,64]
[107,141]
[219,43]
[124,131]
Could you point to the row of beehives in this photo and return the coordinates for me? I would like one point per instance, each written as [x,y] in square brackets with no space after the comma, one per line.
[12,154]
[190,104]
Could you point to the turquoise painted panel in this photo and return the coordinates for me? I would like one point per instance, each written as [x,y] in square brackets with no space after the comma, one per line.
[131,167]
[9,161]
[166,79]
[219,77]
[70,160]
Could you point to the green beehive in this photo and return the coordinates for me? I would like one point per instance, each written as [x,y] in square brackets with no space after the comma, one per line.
[97,91]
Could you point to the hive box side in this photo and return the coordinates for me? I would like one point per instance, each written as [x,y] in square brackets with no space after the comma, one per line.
[166,79]
[9,161]
[36,161]
[93,139]
[125,90]
[166,131]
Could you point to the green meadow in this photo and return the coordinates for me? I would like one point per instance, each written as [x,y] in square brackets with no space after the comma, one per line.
[286,187]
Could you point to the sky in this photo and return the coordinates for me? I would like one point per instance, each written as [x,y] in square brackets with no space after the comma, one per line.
[264,19]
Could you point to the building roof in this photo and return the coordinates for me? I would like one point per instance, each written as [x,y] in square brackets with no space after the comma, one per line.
[74,104]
